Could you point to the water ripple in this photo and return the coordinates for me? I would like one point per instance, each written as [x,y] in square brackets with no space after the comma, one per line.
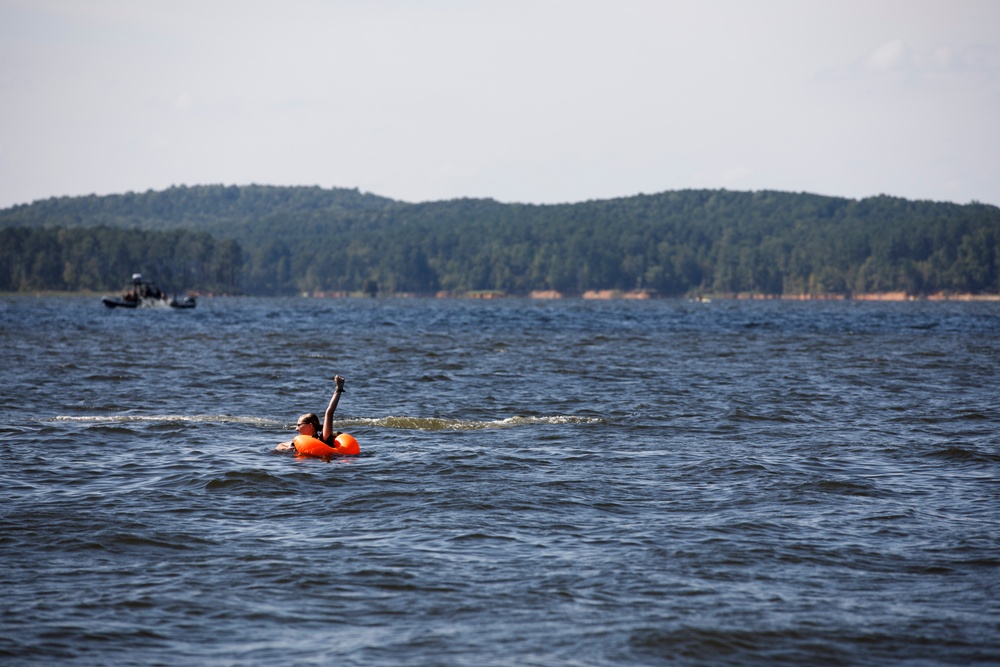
[576,483]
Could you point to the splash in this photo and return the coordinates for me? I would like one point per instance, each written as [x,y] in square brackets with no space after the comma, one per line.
[160,419]
[392,422]
[440,424]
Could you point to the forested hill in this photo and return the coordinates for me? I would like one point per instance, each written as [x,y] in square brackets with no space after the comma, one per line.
[277,240]
[181,207]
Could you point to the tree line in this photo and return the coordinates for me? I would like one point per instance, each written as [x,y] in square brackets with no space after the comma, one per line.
[272,240]
[104,258]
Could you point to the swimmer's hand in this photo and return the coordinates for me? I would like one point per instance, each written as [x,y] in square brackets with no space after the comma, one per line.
[284,447]
[340,383]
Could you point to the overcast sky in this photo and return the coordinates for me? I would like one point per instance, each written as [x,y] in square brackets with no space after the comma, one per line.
[521,101]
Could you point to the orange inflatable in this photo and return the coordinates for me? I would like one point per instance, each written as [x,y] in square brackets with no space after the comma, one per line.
[345,445]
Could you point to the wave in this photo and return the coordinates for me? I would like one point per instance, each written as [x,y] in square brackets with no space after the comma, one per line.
[392,422]
[441,424]
[159,419]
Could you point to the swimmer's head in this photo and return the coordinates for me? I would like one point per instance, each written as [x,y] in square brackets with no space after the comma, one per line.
[308,419]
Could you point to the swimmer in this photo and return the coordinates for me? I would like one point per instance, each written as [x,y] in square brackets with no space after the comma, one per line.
[308,424]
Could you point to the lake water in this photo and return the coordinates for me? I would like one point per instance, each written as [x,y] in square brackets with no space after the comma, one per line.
[543,483]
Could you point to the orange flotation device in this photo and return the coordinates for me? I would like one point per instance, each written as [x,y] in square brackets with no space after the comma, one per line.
[344,445]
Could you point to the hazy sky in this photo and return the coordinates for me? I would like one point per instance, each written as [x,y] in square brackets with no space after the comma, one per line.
[527,101]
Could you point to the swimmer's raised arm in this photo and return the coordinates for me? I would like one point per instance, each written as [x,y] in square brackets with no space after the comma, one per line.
[330,409]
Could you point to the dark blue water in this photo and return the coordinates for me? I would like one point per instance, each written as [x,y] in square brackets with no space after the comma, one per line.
[544,483]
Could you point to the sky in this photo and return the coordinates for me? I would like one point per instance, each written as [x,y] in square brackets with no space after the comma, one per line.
[532,101]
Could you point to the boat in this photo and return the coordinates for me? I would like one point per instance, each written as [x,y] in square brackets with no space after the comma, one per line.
[142,294]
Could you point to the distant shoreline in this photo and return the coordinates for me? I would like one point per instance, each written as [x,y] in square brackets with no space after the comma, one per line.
[606,295]
[589,295]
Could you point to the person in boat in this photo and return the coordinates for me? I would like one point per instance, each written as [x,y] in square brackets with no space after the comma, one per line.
[308,424]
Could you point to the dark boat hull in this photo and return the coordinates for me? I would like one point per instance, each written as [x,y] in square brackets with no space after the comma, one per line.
[113,302]
[184,302]
[117,302]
